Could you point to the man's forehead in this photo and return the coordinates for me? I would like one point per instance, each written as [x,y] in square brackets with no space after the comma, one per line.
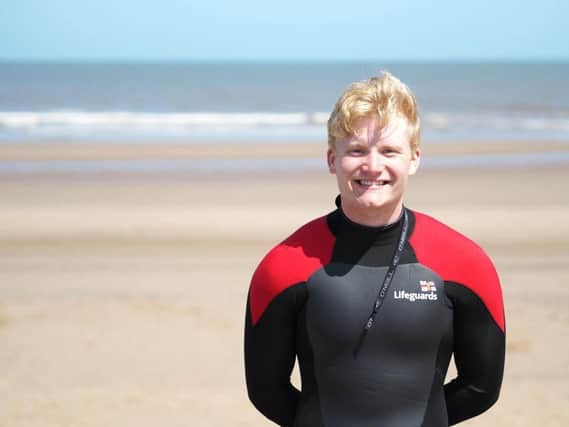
[371,129]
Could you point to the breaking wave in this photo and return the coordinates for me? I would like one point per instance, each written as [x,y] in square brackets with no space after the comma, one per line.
[260,125]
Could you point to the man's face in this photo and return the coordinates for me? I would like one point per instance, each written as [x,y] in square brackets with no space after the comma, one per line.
[372,167]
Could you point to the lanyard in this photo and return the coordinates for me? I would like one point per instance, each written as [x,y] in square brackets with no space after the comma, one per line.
[386,280]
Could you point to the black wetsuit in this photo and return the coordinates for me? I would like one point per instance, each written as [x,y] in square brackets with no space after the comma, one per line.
[312,295]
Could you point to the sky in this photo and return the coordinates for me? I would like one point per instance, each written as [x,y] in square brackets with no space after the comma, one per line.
[293,30]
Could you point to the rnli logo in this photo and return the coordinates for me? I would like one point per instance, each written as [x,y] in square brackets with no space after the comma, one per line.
[427,286]
[428,292]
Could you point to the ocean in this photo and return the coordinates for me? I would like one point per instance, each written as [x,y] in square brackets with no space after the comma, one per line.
[270,102]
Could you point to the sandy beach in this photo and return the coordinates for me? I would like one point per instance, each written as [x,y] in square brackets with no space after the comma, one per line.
[122,295]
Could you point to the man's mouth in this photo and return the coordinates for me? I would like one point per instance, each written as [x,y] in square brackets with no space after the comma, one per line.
[371,183]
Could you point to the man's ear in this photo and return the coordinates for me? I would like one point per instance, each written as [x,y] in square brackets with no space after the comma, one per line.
[331,156]
[415,161]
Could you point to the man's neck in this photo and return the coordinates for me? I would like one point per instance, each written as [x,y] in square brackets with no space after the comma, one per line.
[374,218]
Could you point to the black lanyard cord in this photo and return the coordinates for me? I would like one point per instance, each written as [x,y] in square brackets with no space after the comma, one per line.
[386,280]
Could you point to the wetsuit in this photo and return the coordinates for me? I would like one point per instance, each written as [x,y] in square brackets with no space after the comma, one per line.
[311,296]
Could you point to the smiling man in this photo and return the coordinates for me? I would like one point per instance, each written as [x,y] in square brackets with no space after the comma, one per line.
[372,166]
[374,298]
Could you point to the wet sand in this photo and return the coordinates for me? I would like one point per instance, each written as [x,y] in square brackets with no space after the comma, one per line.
[122,295]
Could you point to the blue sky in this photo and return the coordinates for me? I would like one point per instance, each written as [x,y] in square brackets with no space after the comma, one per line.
[260,30]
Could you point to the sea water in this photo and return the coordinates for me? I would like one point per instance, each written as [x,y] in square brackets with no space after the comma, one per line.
[258,102]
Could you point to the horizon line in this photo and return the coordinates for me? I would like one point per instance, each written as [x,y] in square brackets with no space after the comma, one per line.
[288,61]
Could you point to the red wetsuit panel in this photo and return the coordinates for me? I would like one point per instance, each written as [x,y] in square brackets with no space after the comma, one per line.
[458,259]
[289,263]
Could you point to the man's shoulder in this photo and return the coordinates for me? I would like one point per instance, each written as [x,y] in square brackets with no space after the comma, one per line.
[430,234]
[459,260]
[290,262]
[451,254]
[312,241]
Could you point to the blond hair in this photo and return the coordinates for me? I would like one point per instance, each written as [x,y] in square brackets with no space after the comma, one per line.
[384,97]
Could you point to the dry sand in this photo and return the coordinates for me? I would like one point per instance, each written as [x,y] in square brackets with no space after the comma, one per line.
[122,296]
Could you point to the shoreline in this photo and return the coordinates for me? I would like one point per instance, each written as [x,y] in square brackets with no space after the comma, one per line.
[163,150]
[232,158]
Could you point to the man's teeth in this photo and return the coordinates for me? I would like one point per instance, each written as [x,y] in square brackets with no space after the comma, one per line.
[371,183]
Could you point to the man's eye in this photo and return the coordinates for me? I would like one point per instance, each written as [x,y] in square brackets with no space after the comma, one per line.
[356,151]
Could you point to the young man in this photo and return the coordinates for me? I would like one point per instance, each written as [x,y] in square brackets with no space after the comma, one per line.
[374,298]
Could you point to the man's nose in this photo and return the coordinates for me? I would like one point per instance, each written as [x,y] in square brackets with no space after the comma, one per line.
[374,162]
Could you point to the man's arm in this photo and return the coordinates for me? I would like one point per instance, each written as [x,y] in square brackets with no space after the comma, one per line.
[276,295]
[479,351]
[269,358]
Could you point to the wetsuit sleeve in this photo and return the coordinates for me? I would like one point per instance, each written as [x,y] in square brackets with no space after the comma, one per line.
[276,295]
[473,286]
[479,349]
[269,359]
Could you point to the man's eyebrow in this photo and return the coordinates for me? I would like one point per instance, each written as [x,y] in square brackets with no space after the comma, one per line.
[355,143]
[390,145]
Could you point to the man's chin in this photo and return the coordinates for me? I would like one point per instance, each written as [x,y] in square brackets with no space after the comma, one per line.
[372,204]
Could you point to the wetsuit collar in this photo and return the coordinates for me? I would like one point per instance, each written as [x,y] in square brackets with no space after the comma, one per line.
[384,234]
